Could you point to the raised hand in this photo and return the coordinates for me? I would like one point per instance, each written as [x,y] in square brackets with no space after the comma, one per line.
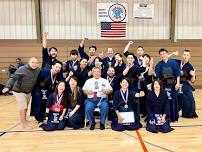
[130,42]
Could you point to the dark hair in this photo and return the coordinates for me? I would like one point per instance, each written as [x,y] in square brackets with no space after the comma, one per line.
[163,50]
[187,51]
[57,62]
[52,48]
[124,78]
[75,78]
[83,59]
[19,59]
[74,52]
[77,90]
[159,82]
[147,55]
[131,54]
[99,58]
[56,92]
[118,54]
[140,47]
[93,46]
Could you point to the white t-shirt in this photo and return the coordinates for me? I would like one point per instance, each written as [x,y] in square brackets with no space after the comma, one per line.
[97,85]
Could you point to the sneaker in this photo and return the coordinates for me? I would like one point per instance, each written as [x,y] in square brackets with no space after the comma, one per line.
[92,127]
[102,126]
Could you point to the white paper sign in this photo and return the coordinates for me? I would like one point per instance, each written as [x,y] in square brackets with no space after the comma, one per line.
[128,117]
[143,11]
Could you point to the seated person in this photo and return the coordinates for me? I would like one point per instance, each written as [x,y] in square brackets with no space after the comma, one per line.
[97,89]
[124,101]
[12,68]
[75,108]
[157,105]
[55,109]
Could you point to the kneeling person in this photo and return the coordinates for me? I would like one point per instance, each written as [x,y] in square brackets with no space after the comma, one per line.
[124,102]
[157,105]
[55,109]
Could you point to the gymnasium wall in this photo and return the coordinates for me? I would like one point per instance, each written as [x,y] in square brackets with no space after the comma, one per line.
[75,19]
[11,49]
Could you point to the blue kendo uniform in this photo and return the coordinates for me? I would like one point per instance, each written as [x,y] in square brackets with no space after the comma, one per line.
[168,73]
[120,68]
[157,106]
[81,75]
[115,84]
[76,121]
[70,64]
[47,60]
[119,105]
[186,98]
[107,62]
[145,85]
[137,61]
[43,88]
[53,116]
[133,75]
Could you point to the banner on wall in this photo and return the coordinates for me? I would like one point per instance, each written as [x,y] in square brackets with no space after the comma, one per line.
[112,12]
[143,11]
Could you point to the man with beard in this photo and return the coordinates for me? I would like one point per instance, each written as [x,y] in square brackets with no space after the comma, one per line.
[48,55]
[92,52]
[109,61]
[139,53]
[45,85]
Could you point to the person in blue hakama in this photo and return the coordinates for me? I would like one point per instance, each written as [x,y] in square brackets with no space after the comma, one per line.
[75,108]
[55,109]
[187,77]
[158,109]
[45,85]
[168,72]
[124,101]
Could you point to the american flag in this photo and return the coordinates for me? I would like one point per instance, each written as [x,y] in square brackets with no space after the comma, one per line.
[113,29]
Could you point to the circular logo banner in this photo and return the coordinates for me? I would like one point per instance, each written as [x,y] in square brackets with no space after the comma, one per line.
[117,12]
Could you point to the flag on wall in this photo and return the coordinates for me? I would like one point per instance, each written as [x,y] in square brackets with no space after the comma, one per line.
[113,29]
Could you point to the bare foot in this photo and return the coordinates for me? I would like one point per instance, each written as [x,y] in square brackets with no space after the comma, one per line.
[26,127]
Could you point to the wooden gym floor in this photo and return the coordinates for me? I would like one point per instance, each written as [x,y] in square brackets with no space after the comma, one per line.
[187,136]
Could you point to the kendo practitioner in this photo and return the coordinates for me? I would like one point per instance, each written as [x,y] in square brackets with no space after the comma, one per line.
[48,55]
[158,109]
[92,52]
[145,80]
[124,101]
[168,72]
[73,63]
[119,64]
[55,109]
[109,61]
[132,72]
[187,76]
[82,73]
[75,108]
[45,85]
[139,53]
[114,81]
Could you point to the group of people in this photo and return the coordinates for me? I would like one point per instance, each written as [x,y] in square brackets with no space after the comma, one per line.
[155,93]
